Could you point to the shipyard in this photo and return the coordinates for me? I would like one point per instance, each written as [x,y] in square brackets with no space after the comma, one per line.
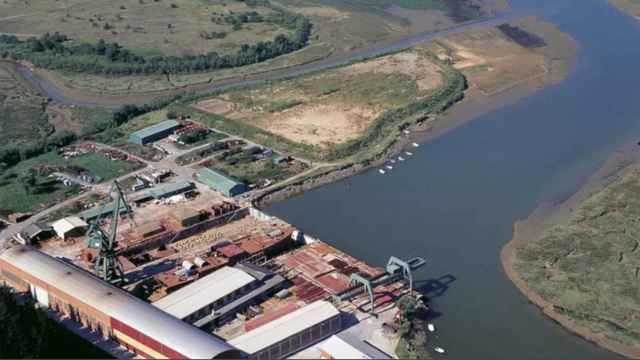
[167,258]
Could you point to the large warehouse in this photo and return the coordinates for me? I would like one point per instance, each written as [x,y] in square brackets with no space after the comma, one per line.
[199,299]
[154,132]
[137,325]
[291,333]
[220,182]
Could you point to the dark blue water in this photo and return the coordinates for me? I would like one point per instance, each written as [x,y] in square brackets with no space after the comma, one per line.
[454,202]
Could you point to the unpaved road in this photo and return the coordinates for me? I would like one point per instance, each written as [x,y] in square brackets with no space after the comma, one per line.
[75,97]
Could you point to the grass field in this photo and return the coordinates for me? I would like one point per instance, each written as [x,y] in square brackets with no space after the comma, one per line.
[334,106]
[244,167]
[338,27]
[22,110]
[15,198]
[171,27]
[589,268]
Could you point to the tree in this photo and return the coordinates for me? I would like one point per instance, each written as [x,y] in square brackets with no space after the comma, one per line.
[29,181]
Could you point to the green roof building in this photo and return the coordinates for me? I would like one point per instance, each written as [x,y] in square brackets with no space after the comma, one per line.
[153,132]
[100,210]
[220,182]
[171,189]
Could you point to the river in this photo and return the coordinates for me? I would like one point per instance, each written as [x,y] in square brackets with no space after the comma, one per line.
[455,201]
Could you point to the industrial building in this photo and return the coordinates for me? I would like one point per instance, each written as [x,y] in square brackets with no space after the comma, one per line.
[199,299]
[268,284]
[100,211]
[347,346]
[69,227]
[35,233]
[170,189]
[291,333]
[154,132]
[220,182]
[106,309]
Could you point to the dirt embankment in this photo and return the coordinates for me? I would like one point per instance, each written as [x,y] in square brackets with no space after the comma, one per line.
[623,164]
[478,47]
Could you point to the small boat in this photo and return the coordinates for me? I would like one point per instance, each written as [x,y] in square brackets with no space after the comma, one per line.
[407,132]
[408,153]
[431,327]
[382,171]
[392,161]
[389,167]
[415,145]
[438,349]
[400,158]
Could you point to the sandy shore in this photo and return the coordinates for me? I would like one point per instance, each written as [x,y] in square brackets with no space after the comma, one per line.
[626,159]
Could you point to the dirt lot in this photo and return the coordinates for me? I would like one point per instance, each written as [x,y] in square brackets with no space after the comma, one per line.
[493,61]
[335,106]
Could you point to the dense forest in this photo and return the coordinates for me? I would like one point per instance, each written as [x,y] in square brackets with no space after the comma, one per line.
[56,51]
[27,332]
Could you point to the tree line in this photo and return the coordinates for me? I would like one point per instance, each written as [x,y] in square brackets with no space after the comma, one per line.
[28,333]
[54,51]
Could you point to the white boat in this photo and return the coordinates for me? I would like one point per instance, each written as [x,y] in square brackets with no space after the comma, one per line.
[392,161]
[381,171]
[415,145]
[431,327]
[409,153]
[400,158]
[406,132]
[389,167]
[438,349]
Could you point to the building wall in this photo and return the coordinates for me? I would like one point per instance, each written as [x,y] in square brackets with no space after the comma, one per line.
[59,301]
[88,316]
[300,340]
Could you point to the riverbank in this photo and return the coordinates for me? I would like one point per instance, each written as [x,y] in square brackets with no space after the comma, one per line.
[558,57]
[623,165]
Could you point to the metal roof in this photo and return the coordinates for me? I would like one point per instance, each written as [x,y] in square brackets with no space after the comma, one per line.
[284,327]
[217,180]
[154,129]
[204,292]
[170,189]
[117,303]
[347,346]
[35,229]
[67,224]
[101,210]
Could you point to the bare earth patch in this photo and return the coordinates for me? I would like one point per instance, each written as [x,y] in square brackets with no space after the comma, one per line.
[215,106]
[321,124]
[423,70]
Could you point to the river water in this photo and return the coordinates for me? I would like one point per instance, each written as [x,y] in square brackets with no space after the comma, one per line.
[455,201]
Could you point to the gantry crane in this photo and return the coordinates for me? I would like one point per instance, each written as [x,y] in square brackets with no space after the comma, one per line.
[106,265]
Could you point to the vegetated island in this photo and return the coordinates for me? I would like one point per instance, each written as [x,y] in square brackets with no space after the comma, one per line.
[580,261]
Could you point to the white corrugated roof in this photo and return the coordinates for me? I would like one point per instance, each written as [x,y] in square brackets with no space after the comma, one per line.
[67,224]
[284,327]
[204,292]
[117,303]
[345,346]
